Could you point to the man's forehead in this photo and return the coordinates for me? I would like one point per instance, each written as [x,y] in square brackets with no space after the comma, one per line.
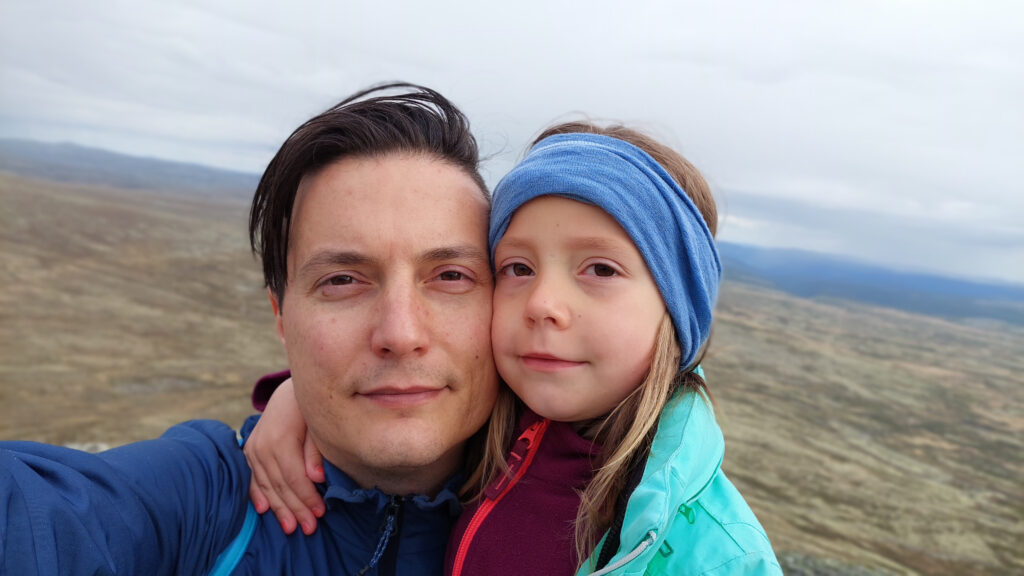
[402,182]
[375,209]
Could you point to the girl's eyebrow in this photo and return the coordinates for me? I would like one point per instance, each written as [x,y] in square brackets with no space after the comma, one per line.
[509,241]
[576,243]
[595,242]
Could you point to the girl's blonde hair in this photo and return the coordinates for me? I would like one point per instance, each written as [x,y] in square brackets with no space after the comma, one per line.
[625,434]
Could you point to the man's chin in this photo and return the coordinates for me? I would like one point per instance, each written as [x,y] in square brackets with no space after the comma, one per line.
[405,465]
[405,452]
[407,442]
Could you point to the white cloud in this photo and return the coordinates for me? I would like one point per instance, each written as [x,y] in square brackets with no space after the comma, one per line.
[900,112]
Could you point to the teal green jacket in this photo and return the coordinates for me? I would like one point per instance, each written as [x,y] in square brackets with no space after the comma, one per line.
[685,517]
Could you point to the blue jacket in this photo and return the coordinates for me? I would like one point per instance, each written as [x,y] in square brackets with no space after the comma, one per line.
[172,505]
[685,518]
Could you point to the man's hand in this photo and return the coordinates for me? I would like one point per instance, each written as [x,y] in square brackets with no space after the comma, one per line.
[285,464]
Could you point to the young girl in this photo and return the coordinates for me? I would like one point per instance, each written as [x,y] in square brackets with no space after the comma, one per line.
[607,458]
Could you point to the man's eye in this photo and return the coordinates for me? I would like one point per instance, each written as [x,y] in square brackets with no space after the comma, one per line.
[341,280]
[603,270]
[451,276]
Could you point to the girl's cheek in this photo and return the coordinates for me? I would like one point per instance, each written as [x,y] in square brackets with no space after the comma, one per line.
[501,326]
[502,338]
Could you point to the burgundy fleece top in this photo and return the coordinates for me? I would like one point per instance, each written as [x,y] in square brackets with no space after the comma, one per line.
[530,530]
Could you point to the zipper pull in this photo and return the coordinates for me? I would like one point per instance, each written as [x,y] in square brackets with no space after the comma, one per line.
[515,459]
[387,530]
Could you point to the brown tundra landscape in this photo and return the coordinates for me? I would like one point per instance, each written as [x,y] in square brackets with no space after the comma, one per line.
[868,440]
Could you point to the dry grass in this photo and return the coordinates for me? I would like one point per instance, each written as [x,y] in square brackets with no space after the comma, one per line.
[124,312]
[872,439]
[879,438]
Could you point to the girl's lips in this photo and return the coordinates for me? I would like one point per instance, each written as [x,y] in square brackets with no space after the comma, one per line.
[548,363]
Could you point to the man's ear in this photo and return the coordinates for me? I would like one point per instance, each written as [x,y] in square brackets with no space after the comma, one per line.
[276,306]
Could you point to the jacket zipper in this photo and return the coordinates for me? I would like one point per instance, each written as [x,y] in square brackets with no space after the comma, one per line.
[387,545]
[520,459]
[644,544]
[389,560]
[651,535]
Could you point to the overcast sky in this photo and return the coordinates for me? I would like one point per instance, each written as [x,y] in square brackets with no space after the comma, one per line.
[891,131]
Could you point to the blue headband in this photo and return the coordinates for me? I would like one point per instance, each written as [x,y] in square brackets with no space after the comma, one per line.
[655,211]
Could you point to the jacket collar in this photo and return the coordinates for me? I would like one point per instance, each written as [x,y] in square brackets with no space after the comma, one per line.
[341,488]
[685,456]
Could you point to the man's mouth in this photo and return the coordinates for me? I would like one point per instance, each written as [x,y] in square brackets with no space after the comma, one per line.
[402,397]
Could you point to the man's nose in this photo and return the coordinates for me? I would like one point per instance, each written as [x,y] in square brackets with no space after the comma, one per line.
[401,323]
[548,302]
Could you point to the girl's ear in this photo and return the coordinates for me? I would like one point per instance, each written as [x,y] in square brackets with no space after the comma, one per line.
[276,306]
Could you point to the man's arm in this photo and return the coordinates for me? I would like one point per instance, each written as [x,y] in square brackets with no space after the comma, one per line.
[162,506]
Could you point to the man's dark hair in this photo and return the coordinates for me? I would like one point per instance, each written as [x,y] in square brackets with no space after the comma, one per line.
[416,120]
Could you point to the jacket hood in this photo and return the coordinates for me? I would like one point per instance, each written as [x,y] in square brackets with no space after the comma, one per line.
[686,454]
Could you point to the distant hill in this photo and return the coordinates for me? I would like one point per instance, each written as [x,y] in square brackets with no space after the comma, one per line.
[800,273]
[814,275]
[72,163]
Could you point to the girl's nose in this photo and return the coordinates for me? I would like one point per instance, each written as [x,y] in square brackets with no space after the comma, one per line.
[548,303]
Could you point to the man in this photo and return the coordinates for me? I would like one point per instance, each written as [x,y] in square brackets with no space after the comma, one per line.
[371,222]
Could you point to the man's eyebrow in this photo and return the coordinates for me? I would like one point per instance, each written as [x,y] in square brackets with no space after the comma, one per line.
[460,252]
[331,258]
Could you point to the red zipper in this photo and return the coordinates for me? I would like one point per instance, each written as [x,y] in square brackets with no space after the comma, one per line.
[519,461]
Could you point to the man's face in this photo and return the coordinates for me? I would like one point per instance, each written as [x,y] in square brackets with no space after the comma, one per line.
[386,315]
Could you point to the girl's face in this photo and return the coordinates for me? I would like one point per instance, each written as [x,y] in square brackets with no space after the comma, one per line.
[576,310]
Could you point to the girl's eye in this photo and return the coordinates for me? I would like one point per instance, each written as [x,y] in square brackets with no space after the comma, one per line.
[602,270]
[516,269]
[521,270]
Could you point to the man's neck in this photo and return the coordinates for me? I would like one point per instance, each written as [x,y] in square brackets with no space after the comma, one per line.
[403,480]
